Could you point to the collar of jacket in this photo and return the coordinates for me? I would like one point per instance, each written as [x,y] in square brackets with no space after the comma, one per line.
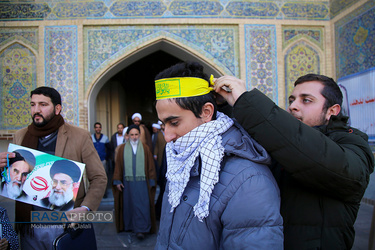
[335,123]
[340,124]
[196,169]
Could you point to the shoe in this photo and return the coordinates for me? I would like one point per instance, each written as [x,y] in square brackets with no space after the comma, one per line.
[140,236]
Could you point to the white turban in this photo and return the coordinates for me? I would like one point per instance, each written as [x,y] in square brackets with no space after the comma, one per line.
[137,115]
[124,130]
[155,125]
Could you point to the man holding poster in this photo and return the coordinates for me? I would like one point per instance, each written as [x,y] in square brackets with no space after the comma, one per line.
[50,134]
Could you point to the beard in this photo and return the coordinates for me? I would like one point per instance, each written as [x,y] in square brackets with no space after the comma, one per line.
[59,199]
[44,121]
[14,191]
[134,143]
[321,120]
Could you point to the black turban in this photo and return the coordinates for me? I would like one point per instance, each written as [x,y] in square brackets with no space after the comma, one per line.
[23,155]
[66,167]
[131,127]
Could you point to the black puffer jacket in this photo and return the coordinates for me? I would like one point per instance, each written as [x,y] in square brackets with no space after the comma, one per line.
[322,172]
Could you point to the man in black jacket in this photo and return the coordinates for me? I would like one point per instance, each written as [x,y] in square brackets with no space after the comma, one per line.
[116,139]
[321,164]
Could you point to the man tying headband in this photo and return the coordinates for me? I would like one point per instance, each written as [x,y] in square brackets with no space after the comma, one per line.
[220,193]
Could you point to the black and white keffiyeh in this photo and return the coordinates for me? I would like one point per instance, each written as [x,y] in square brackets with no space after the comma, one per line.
[205,141]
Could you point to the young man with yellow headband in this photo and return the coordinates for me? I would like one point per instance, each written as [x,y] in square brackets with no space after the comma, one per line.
[220,193]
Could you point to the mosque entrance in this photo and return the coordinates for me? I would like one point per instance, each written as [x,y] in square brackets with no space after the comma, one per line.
[135,86]
[130,89]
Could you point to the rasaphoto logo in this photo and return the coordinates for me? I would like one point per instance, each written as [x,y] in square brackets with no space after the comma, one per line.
[64,216]
[38,183]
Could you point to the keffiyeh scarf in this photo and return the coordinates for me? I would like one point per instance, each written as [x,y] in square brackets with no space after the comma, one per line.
[203,141]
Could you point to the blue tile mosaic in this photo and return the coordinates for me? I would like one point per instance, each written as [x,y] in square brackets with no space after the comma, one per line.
[25,35]
[282,9]
[337,6]
[80,10]
[355,40]
[23,11]
[106,45]
[196,8]
[253,9]
[261,59]
[18,77]
[138,9]
[306,11]
[294,33]
[61,67]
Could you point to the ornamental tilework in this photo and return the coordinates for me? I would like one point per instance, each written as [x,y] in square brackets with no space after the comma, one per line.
[261,59]
[80,10]
[253,9]
[106,45]
[24,35]
[337,6]
[108,9]
[61,67]
[23,11]
[138,8]
[300,59]
[201,8]
[294,33]
[18,77]
[355,39]
[314,11]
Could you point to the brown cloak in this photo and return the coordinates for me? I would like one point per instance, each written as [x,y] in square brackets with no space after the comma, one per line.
[119,174]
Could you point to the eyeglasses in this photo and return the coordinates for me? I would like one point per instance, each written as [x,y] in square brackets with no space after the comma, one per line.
[62,183]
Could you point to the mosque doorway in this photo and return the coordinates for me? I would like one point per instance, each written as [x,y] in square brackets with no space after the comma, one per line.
[134,91]
[129,87]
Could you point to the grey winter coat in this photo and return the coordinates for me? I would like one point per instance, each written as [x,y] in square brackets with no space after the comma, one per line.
[244,206]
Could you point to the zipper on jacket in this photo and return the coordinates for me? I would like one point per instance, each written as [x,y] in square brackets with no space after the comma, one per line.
[185,227]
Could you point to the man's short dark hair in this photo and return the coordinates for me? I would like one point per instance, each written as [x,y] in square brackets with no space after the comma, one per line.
[97,123]
[121,124]
[49,92]
[331,90]
[190,69]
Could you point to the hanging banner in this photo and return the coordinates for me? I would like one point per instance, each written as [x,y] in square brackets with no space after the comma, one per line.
[359,101]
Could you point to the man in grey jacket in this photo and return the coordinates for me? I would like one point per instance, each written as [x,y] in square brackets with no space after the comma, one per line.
[220,193]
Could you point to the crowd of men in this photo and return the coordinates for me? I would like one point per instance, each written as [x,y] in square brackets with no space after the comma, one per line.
[268,179]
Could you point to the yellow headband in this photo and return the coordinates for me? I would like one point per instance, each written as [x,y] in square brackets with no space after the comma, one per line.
[182,87]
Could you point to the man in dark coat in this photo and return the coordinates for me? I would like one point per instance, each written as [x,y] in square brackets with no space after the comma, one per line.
[134,186]
[145,136]
[116,139]
[321,164]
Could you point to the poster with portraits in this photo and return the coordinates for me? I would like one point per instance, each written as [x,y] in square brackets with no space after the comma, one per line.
[41,179]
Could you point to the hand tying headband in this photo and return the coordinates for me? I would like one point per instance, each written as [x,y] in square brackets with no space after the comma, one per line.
[179,87]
